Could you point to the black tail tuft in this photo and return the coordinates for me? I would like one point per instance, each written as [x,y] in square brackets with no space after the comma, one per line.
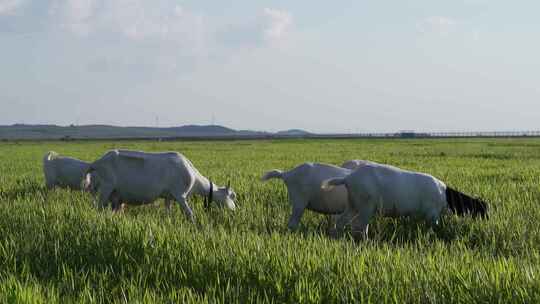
[462,204]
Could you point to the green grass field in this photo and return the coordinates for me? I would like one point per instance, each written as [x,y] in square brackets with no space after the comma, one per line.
[56,247]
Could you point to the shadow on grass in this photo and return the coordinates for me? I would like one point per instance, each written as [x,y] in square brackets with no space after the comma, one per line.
[402,232]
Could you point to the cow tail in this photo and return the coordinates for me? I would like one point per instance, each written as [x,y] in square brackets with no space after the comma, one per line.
[329,184]
[48,171]
[49,156]
[463,204]
[272,174]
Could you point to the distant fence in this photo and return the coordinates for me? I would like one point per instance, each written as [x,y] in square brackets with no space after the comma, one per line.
[434,134]
[500,134]
[394,135]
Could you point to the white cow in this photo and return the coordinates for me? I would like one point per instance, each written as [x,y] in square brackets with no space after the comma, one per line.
[354,163]
[390,191]
[137,178]
[304,188]
[64,172]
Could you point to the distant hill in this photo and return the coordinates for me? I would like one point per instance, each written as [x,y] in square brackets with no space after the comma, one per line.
[196,129]
[23,131]
[295,132]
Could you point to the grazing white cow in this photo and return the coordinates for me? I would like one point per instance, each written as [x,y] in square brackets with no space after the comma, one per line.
[139,178]
[394,192]
[304,188]
[354,163]
[64,172]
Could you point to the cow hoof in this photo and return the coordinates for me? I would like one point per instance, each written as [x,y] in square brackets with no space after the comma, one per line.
[359,236]
[332,233]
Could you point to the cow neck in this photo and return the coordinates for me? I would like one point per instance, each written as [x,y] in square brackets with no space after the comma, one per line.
[206,189]
[203,186]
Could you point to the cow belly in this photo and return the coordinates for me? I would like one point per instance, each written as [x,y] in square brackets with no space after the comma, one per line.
[66,181]
[395,207]
[331,202]
[140,188]
[134,198]
[135,203]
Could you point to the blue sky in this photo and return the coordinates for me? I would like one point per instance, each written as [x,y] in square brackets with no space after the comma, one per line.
[272,65]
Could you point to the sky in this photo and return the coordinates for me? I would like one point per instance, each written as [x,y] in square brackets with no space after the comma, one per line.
[323,66]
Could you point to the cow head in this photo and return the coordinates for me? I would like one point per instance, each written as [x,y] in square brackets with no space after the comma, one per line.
[90,182]
[225,197]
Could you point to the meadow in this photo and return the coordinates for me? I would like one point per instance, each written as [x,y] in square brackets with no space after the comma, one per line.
[55,247]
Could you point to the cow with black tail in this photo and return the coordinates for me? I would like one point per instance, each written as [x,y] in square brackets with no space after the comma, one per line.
[390,191]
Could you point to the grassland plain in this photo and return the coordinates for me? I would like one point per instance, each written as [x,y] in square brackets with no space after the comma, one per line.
[56,247]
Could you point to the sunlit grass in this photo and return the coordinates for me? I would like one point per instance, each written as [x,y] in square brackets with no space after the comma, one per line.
[55,247]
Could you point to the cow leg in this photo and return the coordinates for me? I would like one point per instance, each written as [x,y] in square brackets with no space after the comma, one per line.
[298,206]
[182,201]
[360,227]
[342,220]
[168,205]
[50,180]
[120,208]
[360,222]
[358,212]
[116,205]
[330,222]
[104,197]
[433,220]
[294,220]
[49,185]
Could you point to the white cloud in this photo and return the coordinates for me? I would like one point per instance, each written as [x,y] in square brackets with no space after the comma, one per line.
[9,7]
[136,20]
[74,15]
[179,11]
[437,24]
[475,35]
[440,21]
[279,23]
[80,10]
[266,28]
[159,34]
[158,21]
